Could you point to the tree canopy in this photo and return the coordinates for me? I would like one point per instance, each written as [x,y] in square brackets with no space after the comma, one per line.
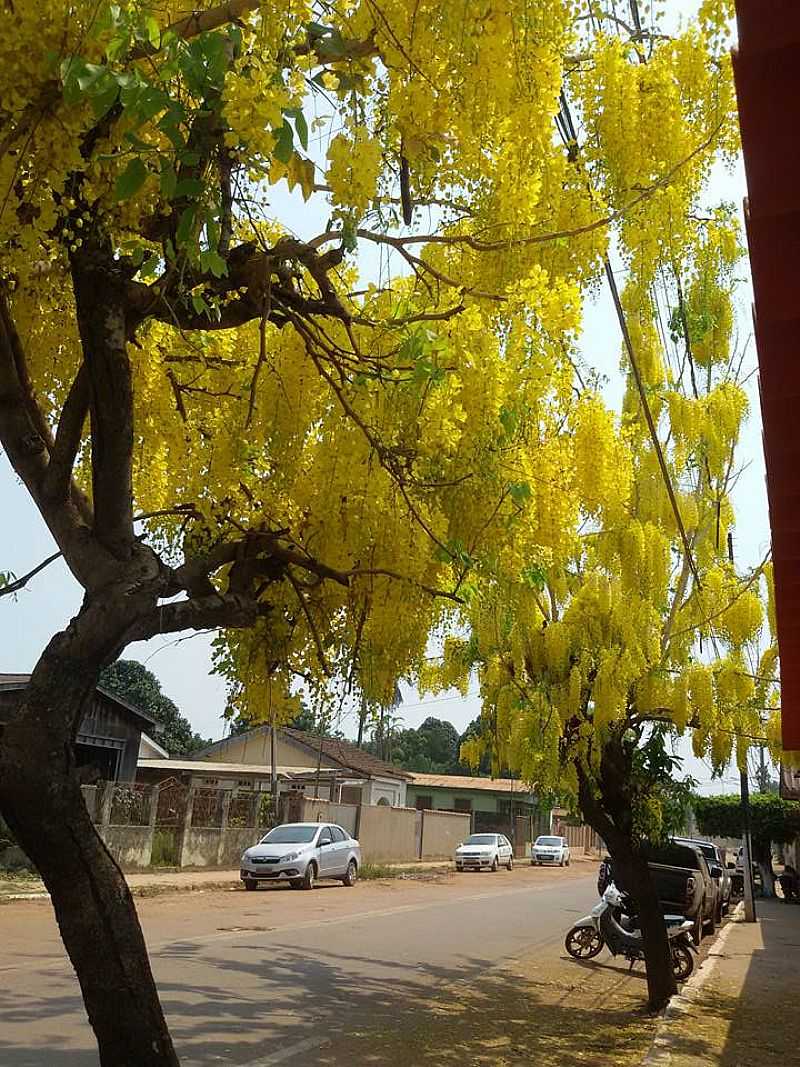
[335,429]
[771,818]
[135,683]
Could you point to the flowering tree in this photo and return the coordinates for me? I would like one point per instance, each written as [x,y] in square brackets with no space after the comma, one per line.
[223,426]
[634,625]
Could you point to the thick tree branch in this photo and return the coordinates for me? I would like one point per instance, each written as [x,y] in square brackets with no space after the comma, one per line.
[103,333]
[26,440]
[217,610]
[58,479]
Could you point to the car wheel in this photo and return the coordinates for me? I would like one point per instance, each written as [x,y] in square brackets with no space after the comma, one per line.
[711,922]
[719,914]
[250,886]
[697,929]
[561,861]
[351,875]
[495,863]
[310,877]
[510,864]
[568,861]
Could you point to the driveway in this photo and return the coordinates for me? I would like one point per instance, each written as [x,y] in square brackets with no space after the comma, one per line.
[333,976]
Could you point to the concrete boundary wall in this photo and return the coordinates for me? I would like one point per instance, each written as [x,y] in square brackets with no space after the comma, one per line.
[128,820]
[309,809]
[441,833]
[387,835]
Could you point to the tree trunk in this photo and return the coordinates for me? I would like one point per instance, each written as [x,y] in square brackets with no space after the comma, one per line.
[633,871]
[609,815]
[41,800]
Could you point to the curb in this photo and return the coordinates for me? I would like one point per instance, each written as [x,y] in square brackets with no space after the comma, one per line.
[662,1047]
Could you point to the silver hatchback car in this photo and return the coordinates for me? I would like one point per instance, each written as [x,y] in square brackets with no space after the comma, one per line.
[300,853]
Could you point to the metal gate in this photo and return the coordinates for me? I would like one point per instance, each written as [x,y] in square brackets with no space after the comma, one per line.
[170,818]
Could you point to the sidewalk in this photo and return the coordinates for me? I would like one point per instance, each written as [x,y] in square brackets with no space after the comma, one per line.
[745,1012]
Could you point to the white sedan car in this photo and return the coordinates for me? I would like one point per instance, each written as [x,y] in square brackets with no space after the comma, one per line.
[300,853]
[484,852]
[552,850]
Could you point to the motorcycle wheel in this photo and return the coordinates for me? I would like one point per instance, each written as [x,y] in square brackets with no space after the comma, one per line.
[682,962]
[583,943]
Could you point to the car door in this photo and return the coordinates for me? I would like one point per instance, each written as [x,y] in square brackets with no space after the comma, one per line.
[505,849]
[325,854]
[340,851]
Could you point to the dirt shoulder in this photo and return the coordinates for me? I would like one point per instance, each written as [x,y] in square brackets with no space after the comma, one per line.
[24,886]
[537,1009]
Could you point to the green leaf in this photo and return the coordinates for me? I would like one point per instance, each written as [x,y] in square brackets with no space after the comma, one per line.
[284,143]
[153,31]
[199,304]
[213,261]
[190,188]
[534,576]
[71,69]
[150,265]
[103,95]
[186,224]
[519,492]
[300,124]
[509,420]
[131,180]
[89,74]
[169,180]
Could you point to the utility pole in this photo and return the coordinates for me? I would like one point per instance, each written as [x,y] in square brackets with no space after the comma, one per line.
[747,857]
[744,786]
[273,770]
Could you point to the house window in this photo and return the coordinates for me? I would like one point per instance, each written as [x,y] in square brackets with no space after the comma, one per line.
[462,804]
[424,803]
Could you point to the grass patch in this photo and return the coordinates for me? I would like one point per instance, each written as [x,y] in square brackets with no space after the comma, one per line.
[21,875]
[374,871]
[377,871]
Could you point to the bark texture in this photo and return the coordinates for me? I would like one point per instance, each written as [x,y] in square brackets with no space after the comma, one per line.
[41,800]
[606,806]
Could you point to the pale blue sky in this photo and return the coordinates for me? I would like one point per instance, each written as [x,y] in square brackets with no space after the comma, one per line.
[183,664]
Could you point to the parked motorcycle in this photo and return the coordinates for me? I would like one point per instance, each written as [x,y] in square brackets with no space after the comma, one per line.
[603,929]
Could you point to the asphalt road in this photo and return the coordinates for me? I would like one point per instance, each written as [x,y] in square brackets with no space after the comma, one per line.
[263,978]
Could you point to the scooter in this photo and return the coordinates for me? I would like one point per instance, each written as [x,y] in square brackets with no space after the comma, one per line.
[601,929]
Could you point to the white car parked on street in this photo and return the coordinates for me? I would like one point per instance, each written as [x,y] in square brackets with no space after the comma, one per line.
[300,853]
[484,852]
[552,850]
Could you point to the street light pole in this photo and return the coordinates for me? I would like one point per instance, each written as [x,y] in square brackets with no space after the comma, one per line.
[747,858]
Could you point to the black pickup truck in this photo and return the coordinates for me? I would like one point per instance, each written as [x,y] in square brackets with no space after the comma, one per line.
[685,884]
[683,881]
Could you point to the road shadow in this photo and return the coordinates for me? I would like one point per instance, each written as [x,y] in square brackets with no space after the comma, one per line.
[375,1011]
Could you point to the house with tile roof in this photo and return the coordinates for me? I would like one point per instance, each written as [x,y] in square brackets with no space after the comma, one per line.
[330,768]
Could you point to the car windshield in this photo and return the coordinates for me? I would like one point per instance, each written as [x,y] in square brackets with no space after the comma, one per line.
[480,839]
[548,841]
[671,855]
[708,850]
[291,834]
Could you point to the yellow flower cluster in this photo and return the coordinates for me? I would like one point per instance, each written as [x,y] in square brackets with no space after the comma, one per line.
[354,166]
